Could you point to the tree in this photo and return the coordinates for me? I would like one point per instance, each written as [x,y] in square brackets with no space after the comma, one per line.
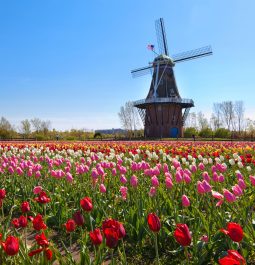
[25,127]
[239,114]
[189,132]
[45,126]
[217,115]
[228,114]
[129,118]
[37,123]
[6,129]
[222,133]
[191,120]
[206,132]
[202,121]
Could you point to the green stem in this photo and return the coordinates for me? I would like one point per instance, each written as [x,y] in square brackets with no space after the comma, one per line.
[112,260]
[124,252]
[156,249]
[70,241]
[186,254]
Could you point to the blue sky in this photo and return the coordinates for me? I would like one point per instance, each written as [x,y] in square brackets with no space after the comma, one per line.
[70,61]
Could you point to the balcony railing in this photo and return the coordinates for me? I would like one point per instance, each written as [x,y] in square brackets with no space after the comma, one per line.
[184,101]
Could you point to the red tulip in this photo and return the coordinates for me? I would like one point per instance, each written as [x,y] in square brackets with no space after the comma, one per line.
[42,198]
[22,221]
[25,207]
[153,222]
[96,237]
[182,235]
[115,225]
[86,204]
[228,261]
[48,254]
[233,258]
[78,218]
[42,240]
[38,223]
[15,222]
[70,225]
[11,245]
[234,231]
[34,252]
[111,236]
[2,194]
[234,254]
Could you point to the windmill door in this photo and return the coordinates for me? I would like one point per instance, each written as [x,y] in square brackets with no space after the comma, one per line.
[174,132]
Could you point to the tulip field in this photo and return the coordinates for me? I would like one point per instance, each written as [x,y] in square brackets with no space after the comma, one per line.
[127,203]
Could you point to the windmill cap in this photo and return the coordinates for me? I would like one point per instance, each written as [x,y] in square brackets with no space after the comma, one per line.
[162,58]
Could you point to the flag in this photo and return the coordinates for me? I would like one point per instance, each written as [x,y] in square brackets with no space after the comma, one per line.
[150,47]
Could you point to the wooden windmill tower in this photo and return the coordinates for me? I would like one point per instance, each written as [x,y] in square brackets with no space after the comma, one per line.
[163,112]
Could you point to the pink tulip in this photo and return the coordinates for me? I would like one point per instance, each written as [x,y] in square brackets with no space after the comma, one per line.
[100,170]
[221,178]
[186,178]
[239,175]
[169,183]
[152,191]
[123,179]
[242,184]
[19,171]
[204,238]
[215,177]
[237,190]
[207,187]
[206,176]
[123,170]
[178,177]
[123,191]
[200,188]
[133,181]
[102,188]
[69,177]
[213,168]
[134,166]
[186,171]
[37,174]
[201,166]
[193,168]
[168,175]
[176,163]
[252,180]
[30,173]
[37,189]
[165,168]
[229,196]
[185,201]
[154,181]
[114,172]
[94,174]
[156,171]
[217,195]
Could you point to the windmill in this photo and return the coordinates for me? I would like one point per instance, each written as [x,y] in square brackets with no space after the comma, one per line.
[164,112]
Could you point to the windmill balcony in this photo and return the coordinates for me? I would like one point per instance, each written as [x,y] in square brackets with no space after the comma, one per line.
[185,103]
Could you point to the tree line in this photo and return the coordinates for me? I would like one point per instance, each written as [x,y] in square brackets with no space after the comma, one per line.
[38,129]
[227,121]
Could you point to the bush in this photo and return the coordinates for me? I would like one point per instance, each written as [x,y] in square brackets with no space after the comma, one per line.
[222,133]
[206,132]
[189,132]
